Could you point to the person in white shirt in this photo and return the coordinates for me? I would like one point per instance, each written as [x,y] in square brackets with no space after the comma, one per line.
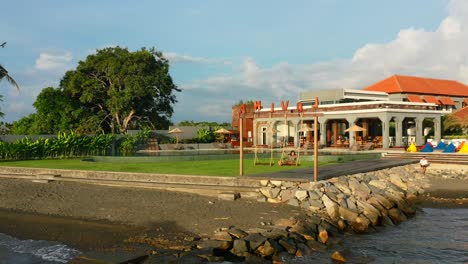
[424,164]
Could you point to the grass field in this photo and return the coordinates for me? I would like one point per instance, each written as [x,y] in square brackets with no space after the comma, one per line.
[198,167]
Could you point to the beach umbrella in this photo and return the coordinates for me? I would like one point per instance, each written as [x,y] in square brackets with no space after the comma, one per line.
[223,131]
[355,128]
[176,131]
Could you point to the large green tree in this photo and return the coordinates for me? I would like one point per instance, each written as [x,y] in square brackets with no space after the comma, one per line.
[115,89]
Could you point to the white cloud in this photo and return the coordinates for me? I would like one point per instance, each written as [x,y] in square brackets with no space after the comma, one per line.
[179,58]
[53,62]
[441,53]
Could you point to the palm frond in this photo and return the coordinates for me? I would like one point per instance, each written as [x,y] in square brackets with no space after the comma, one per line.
[4,74]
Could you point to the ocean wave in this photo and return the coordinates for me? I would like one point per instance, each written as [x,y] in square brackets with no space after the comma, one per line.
[46,250]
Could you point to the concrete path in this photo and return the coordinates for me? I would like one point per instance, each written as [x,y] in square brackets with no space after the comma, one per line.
[333,170]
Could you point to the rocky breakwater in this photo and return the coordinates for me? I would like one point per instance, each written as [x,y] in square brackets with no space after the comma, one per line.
[356,202]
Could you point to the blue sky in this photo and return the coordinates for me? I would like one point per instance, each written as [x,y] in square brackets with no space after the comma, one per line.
[224,51]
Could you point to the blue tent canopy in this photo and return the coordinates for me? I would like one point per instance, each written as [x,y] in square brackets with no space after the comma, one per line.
[450,148]
[440,146]
[427,148]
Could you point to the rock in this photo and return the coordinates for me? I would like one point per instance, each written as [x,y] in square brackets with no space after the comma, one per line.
[323,236]
[336,256]
[386,221]
[239,246]
[254,259]
[314,195]
[303,250]
[255,240]
[369,211]
[236,232]
[223,236]
[301,195]
[331,207]
[275,234]
[379,184]
[341,225]
[351,203]
[272,200]
[313,219]
[317,246]
[289,245]
[315,205]
[360,225]
[360,190]
[383,201]
[276,183]
[264,182]
[406,208]
[375,203]
[210,243]
[266,249]
[395,215]
[395,179]
[306,232]
[293,202]
[261,199]
[343,187]
[288,184]
[347,214]
[270,192]
[287,194]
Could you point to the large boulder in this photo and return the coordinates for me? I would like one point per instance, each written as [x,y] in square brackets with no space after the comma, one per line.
[343,187]
[369,211]
[360,190]
[347,214]
[270,192]
[398,181]
[331,207]
[360,225]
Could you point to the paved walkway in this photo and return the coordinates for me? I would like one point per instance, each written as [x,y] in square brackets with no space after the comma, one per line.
[333,170]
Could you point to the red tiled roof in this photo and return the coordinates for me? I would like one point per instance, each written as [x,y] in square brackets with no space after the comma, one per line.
[446,101]
[414,98]
[462,113]
[431,99]
[418,85]
[465,100]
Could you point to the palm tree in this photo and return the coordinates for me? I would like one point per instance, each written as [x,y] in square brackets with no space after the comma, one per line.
[4,74]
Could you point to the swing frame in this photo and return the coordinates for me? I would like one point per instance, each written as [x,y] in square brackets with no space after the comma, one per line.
[257,160]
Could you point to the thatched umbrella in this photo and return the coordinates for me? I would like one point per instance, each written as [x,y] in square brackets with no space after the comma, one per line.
[355,128]
[176,131]
[224,132]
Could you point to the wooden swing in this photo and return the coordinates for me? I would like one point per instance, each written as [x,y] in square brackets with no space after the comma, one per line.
[287,159]
[262,148]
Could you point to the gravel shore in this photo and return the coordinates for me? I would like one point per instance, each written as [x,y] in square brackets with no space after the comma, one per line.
[171,218]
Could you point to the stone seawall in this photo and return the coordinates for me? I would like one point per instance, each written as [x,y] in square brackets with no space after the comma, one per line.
[357,202]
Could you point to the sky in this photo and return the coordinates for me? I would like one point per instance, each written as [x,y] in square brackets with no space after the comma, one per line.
[221,51]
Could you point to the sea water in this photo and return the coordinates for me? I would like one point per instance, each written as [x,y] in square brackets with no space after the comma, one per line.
[16,251]
[434,235]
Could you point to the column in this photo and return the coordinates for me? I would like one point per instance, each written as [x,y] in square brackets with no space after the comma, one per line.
[385,132]
[323,132]
[419,131]
[352,134]
[437,128]
[398,131]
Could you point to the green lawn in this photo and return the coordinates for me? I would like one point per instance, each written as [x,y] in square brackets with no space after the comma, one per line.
[198,167]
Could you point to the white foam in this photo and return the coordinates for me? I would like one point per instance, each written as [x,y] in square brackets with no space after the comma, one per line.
[46,250]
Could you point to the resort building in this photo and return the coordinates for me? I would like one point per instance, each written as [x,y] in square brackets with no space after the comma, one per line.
[394,112]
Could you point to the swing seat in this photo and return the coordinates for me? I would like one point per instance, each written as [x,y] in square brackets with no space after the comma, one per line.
[288,163]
